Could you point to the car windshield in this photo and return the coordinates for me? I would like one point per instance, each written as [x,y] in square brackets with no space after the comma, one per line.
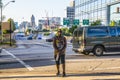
[78,32]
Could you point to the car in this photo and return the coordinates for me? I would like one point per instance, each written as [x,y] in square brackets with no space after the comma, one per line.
[49,40]
[0,50]
[19,36]
[30,37]
[71,40]
[96,40]
[39,36]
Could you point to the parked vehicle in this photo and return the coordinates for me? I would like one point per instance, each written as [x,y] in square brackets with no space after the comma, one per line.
[71,40]
[0,50]
[30,37]
[96,40]
[39,36]
[49,40]
[20,36]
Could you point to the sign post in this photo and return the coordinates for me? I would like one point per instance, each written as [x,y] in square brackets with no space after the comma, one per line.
[76,21]
[66,22]
[85,21]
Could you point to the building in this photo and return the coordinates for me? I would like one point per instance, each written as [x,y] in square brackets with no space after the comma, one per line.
[24,25]
[5,26]
[16,25]
[53,22]
[33,21]
[104,10]
[71,12]
[42,23]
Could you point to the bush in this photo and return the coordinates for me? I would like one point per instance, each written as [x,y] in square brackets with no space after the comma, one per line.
[47,33]
[7,31]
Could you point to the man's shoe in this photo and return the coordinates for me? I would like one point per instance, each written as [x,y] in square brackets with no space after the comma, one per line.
[64,74]
[58,73]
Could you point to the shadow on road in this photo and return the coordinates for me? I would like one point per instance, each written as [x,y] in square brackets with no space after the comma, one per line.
[93,74]
[32,63]
[114,54]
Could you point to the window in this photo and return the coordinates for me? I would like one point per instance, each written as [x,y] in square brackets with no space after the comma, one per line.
[118,30]
[75,33]
[80,32]
[113,31]
[97,32]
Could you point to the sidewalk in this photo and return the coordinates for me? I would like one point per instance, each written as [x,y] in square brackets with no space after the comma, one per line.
[75,69]
[70,77]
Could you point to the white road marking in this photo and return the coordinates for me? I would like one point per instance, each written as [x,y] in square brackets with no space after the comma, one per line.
[23,63]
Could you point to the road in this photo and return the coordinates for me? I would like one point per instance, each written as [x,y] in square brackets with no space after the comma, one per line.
[34,58]
[28,50]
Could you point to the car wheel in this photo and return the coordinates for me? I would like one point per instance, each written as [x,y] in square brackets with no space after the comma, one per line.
[98,51]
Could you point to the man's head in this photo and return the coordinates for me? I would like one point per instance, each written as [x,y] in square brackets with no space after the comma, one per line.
[59,32]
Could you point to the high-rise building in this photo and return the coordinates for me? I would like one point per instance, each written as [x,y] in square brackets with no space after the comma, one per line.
[33,21]
[71,12]
[104,10]
[72,3]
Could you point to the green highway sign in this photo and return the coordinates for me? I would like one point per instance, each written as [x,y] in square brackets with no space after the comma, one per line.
[85,21]
[66,22]
[76,22]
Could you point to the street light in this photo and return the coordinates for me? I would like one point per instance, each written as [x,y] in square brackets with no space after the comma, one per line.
[2,7]
[87,14]
[86,21]
[8,3]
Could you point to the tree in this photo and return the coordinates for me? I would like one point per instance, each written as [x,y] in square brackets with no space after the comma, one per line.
[71,30]
[45,30]
[65,31]
[119,22]
[95,23]
[112,23]
[12,24]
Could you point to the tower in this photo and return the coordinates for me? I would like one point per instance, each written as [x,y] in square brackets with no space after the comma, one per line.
[33,21]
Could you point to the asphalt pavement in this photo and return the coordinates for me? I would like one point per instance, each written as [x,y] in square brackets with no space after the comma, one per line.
[33,60]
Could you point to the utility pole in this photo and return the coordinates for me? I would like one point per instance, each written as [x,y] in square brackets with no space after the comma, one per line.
[2,7]
[10,32]
[1,34]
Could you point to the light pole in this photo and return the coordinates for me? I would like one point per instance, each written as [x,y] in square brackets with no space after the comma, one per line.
[10,32]
[2,7]
[87,14]
[86,21]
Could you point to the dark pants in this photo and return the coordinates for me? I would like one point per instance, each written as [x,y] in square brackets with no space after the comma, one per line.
[61,58]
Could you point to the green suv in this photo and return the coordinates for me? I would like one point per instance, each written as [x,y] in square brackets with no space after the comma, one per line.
[97,40]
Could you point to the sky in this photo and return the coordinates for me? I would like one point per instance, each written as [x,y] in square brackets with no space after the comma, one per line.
[22,10]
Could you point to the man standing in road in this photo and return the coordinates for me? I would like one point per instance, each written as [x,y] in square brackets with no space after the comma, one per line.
[59,44]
